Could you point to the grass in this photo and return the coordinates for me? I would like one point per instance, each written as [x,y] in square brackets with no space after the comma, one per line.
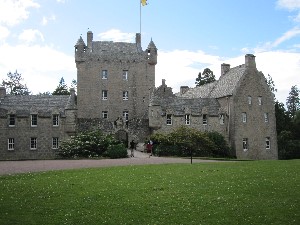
[252,192]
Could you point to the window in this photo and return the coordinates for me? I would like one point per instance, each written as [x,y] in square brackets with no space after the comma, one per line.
[33,120]
[104,95]
[245,144]
[266,115]
[33,143]
[55,120]
[268,143]
[259,100]
[221,118]
[104,74]
[125,115]
[169,119]
[12,120]
[249,100]
[187,119]
[55,143]
[244,117]
[125,75]
[204,119]
[104,114]
[125,95]
[11,144]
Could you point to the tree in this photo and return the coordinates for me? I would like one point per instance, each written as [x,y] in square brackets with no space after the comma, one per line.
[206,77]
[14,85]
[293,101]
[283,121]
[62,88]
[271,84]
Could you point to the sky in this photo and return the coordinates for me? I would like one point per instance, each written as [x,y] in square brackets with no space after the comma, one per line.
[37,37]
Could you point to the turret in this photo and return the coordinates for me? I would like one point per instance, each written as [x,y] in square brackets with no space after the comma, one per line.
[152,53]
[80,50]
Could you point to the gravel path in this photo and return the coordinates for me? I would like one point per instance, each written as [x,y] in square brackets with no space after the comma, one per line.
[14,167]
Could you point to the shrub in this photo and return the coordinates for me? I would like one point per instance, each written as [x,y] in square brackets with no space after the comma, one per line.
[117,151]
[88,144]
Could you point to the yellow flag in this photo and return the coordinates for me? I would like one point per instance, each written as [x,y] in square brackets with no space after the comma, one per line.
[144,2]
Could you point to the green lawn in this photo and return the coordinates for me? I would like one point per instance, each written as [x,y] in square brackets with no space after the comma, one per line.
[252,192]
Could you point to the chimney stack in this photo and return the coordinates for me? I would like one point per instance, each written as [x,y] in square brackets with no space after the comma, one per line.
[2,92]
[224,68]
[138,41]
[89,40]
[250,61]
[183,89]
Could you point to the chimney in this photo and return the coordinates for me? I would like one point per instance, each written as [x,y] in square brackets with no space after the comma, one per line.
[2,92]
[250,61]
[89,40]
[224,68]
[138,41]
[184,89]
[163,82]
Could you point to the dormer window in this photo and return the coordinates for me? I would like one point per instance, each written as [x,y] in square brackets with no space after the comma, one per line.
[55,120]
[222,119]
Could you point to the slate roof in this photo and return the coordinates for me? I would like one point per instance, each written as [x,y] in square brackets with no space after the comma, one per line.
[44,105]
[223,87]
[178,105]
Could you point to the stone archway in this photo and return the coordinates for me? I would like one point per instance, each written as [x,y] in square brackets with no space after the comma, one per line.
[122,136]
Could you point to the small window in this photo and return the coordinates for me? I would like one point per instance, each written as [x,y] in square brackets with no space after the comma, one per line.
[187,119]
[268,145]
[204,119]
[104,74]
[169,119]
[259,100]
[55,120]
[245,144]
[104,95]
[11,144]
[125,75]
[12,120]
[125,115]
[125,95]
[55,143]
[104,114]
[222,119]
[33,120]
[249,100]
[266,115]
[33,143]
[244,117]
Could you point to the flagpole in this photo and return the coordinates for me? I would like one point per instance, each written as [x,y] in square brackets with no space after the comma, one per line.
[140,17]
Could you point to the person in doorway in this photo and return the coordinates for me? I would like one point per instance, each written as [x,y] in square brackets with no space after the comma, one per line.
[132,146]
[149,148]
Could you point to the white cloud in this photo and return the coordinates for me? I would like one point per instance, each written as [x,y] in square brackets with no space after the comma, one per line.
[4,33]
[117,36]
[289,4]
[45,19]
[31,35]
[40,66]
[12,12]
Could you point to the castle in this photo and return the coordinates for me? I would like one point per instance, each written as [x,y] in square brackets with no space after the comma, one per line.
[116,93]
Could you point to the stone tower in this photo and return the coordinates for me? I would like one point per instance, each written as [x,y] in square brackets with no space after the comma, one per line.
[114,79]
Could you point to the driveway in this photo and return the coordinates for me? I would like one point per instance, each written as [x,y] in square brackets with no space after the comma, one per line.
[140,158]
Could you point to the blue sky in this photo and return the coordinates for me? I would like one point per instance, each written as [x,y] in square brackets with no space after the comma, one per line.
[37,37]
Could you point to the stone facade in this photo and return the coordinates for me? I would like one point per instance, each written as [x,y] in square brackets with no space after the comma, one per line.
[239,105]
[32,126]
[114,81]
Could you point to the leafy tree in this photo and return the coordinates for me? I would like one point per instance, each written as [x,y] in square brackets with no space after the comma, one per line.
[283,121]
[206,77]
[62,88]
[14,85]
[293,101]
[271,84]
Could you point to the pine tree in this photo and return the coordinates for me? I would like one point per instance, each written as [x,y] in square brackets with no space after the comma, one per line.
[62,88]
[206,77]
[13,84]
[293,101]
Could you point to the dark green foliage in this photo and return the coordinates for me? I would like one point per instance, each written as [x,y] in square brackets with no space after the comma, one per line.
[293,101]
[206,77]
[87,144]
[62,88]
[288,147]
[183,141]
[283,121]
[117,151]
[14,84]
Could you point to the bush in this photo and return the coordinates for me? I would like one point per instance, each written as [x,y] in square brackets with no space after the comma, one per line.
[183,140]
[117,151]
[88,144]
